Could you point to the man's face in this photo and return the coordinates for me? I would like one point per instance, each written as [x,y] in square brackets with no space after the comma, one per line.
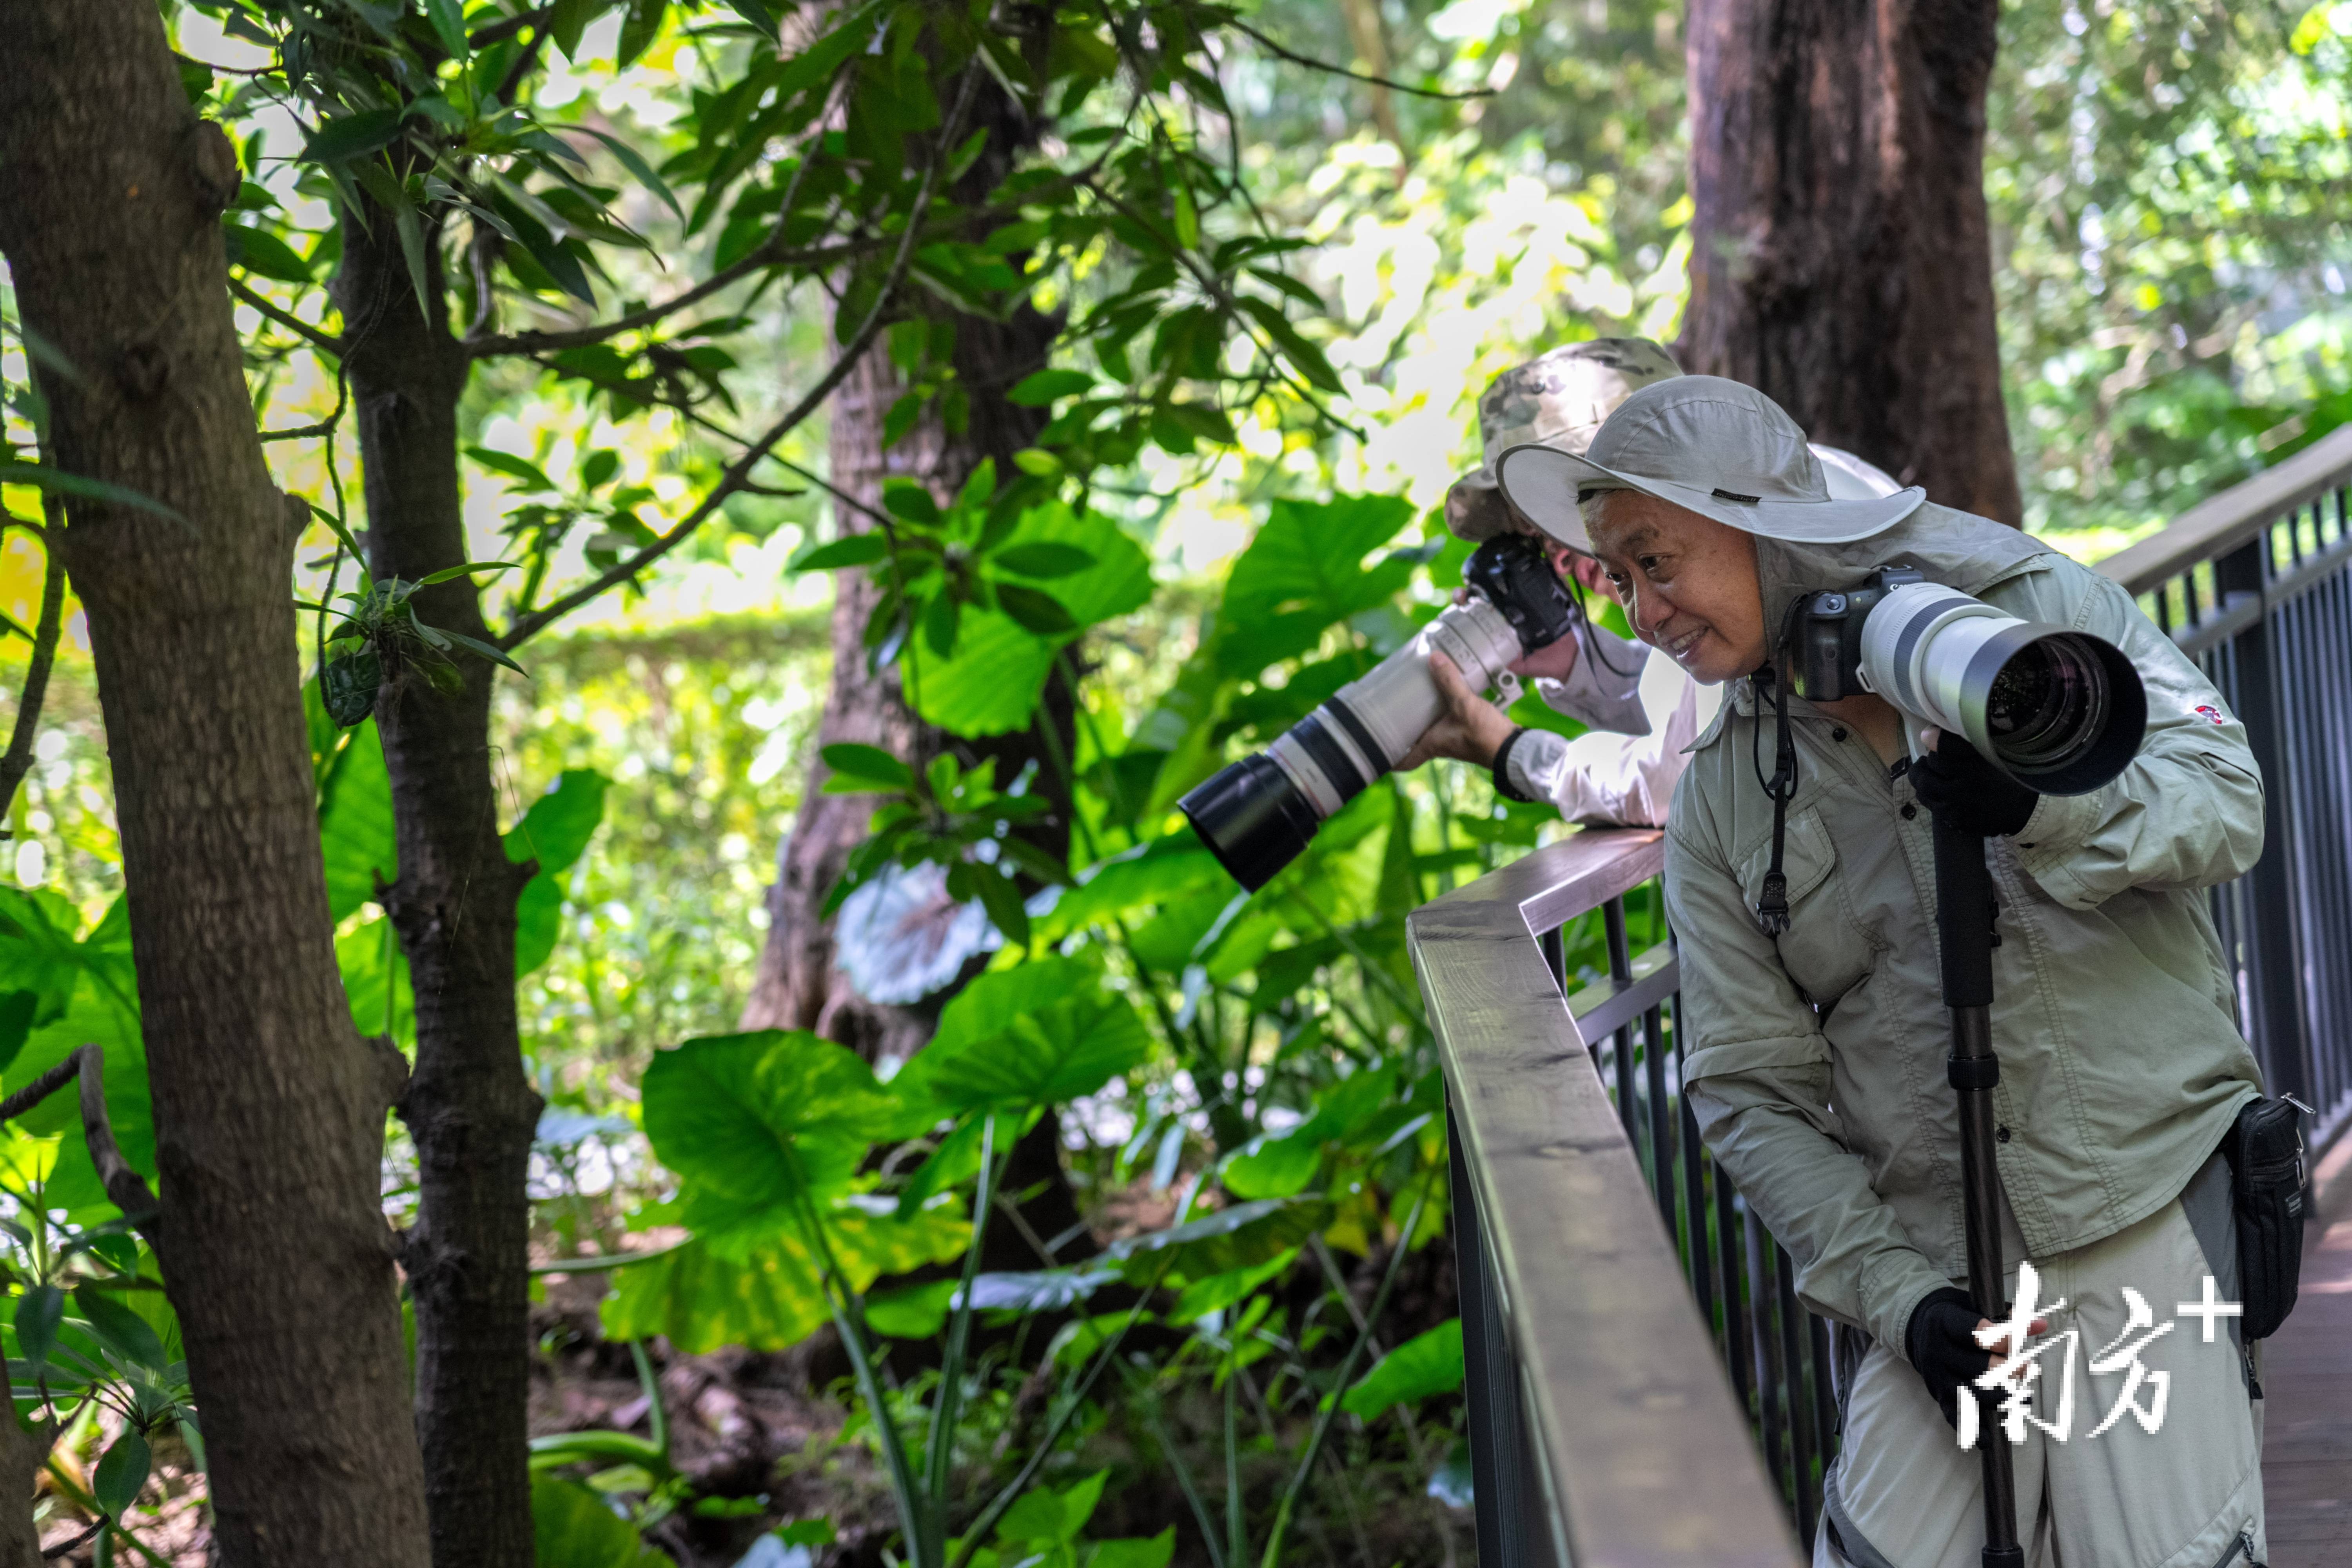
[1688,582]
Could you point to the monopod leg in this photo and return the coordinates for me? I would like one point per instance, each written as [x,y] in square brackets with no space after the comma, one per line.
[1963,916]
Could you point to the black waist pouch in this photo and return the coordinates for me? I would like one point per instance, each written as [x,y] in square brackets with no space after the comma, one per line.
[2265,1150]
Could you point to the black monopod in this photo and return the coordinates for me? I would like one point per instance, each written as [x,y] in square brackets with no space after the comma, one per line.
[1964,917]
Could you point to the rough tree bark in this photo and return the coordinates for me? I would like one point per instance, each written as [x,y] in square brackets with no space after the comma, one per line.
[1840,258]
[469,1107]
[268,1107]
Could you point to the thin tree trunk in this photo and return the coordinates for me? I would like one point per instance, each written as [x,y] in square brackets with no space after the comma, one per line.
[22,1453]
[1840,258]
[469,1107]
[268,1107]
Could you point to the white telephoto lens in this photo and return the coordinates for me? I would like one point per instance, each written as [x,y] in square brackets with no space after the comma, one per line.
[2059,710]
[1397,702]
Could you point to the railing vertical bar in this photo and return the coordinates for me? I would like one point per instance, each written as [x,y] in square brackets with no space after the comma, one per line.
[1555,956]
[2276,979]
[1825,1415]
[1701,1255]
[1621,974]
[1661,1138]
[1767,1351]
[1491,1378]
[1803,1442]
[1737,1345]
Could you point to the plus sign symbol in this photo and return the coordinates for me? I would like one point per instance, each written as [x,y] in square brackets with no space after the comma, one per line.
[2210,1309]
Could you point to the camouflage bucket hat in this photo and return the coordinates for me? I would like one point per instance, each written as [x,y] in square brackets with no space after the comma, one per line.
[1558,399]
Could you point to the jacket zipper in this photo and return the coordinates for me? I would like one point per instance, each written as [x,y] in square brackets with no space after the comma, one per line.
[2243,1542]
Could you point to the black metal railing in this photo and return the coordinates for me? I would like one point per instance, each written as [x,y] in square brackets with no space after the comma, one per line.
[2256,586]
[1603,1425]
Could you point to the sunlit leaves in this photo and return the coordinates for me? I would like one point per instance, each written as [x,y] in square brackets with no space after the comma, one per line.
[1037,1034]
[1305,571]
[571,1526]
[768,1122]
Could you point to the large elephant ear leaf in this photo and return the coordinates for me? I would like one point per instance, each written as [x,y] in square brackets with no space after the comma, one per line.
[760,1119]
[1036,1034]
[763,1292]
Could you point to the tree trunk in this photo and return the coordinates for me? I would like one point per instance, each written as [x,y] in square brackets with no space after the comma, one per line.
[268,1107]
[469,1108]
[1840,258]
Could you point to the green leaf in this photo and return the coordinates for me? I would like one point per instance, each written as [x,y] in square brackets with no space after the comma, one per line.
[554,832]
[910,500]
[40,476]
[39,1310]
[1133,1552]
[122,1473]
[1042,558]
[338,140]
[911,1312]
[806,1532]
[490,652]
[763,1120]
[262,253]
[569,20]
[470,568]
[1036,1034]
[119,1329]
[1039,1289]
[573,1527]
[1047,1517]
[599,466]
[636,164]
[355,823]
[1239,1238]
[638,30]
[1219,1291]
[508,464]
[999,670]
[1306,356]
[870,765]
[448,18]
[851,549]
[759,1290]
[1304,573]
[1423,1367]
[1042,387]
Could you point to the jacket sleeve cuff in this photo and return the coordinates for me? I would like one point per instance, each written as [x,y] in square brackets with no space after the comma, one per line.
[1892,1288]
[1525,762]
[2061,825]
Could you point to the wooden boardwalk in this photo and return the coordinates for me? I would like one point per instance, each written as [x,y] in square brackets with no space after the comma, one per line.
[2307,1375]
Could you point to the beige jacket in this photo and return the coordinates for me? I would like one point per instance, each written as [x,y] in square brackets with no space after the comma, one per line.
[1816,1069]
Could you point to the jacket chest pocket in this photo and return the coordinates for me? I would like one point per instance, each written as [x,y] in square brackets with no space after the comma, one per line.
[1821,949]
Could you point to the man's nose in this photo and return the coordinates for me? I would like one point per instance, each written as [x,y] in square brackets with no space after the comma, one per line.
[1647,612]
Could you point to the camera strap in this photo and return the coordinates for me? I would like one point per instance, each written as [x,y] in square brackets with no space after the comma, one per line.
[1772,907]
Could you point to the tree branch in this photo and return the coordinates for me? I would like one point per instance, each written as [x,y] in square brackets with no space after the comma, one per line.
[766,255]
[740,469]
[18,761]
[318,338]
[125,1188]
[1311,63]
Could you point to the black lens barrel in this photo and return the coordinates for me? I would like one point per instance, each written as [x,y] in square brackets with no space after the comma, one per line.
[1252,817]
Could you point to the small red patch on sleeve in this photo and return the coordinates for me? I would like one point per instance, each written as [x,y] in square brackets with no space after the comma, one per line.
[2211,712]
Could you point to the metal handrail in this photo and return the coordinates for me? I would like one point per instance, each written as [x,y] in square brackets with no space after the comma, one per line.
[2255,584]
[1600,1400]
[2221,523]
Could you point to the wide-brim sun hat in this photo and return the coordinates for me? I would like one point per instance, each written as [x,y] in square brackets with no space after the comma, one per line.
[1712,445]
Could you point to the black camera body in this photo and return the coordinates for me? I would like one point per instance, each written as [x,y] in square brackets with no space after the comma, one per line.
[1824,634]
[1512,573]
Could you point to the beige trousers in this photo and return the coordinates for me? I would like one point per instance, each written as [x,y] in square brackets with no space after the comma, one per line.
[1903,1494]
